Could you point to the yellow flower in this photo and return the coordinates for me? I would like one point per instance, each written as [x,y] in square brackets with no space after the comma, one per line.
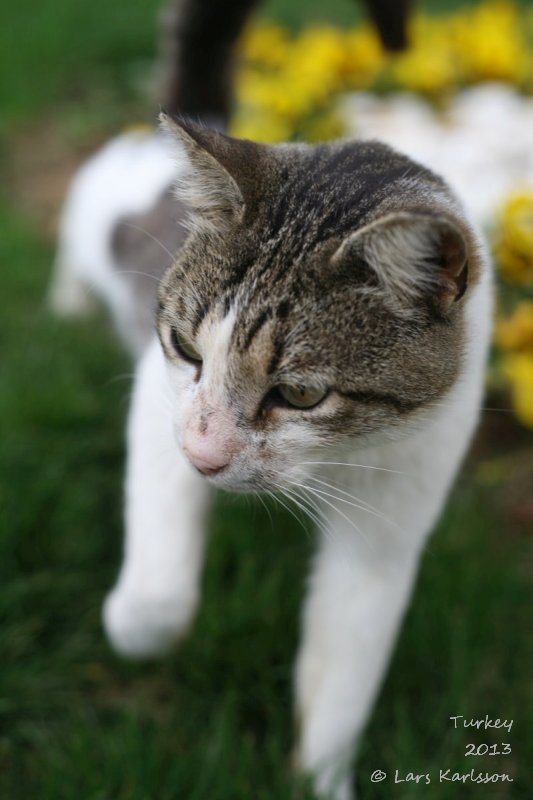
[265,45]
[287,82]
[491,42]
[315,69]
[514,244]
[516,332]
[363,58]
[519,371]
[429,65]
[323,128]
[261,127]
[294,95]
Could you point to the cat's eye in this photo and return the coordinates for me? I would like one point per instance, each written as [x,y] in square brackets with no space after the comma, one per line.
[302,396]
[184,347]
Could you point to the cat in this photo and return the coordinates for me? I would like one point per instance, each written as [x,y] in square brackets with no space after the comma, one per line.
[329,308]
[322,330]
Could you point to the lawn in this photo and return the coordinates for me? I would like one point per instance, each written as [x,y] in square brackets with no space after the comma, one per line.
[213,721]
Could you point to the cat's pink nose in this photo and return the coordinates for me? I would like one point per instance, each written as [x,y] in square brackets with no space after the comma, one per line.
[206,463]
[210,440]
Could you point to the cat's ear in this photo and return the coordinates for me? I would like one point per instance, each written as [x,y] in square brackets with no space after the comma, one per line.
[414,256]
[211,168]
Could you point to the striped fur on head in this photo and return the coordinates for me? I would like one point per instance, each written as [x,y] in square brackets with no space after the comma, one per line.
[343,265]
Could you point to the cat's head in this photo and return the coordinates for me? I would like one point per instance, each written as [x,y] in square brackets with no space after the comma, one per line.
[319,298]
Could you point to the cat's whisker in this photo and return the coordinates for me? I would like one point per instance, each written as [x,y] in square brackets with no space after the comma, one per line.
[483,408]
[151,236]
[138,272]
[343,491]
[117,378]
[498,410]
[287,507]
[441,404]
[263,503]
[356,502]
[322,493]
[299,501]
[315,512]
[171,255]
[316,508]
[362,466]
[305,513]
[338,511]
[328,532]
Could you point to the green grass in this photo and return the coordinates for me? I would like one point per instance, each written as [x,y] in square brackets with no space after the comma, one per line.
[212,722]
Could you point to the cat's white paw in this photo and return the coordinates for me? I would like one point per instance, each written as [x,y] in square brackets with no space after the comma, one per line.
[340,790]
[327,783]
[145,626]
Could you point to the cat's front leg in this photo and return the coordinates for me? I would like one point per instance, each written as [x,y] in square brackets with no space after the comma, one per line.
[357,596]
[157,591]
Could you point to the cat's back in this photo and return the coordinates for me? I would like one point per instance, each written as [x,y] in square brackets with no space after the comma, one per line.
[125,177]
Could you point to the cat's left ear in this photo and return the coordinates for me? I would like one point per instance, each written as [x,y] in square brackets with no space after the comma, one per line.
[213,172]
[414,256]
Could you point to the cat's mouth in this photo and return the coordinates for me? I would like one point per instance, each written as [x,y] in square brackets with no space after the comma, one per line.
[235,473]
[229,480]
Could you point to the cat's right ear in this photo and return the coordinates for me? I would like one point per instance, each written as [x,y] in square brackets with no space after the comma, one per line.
[209,167]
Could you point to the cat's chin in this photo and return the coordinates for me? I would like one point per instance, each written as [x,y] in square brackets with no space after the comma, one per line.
[251,484]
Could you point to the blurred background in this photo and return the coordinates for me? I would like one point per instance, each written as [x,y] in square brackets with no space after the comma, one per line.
[214,720]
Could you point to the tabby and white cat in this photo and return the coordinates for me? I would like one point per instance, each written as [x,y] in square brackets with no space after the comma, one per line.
[322,332]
